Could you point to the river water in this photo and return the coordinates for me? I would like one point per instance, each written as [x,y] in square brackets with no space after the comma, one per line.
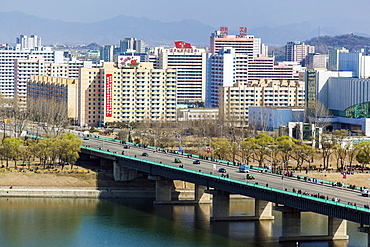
[92,222]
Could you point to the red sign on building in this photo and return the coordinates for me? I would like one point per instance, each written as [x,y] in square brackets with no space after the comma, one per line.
[224,30]
[243,31]
[108,95]
[182,44]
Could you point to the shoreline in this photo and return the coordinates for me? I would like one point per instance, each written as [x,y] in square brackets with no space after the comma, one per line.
[75,192]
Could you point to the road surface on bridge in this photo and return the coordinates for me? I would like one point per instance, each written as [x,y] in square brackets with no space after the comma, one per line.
[265,178]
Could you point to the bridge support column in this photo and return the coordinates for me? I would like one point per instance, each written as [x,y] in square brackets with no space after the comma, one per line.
[121,173]
[337,229]
[291,224]
[365,229]
[263,210]
[163,190]
[200,196]
[220,205]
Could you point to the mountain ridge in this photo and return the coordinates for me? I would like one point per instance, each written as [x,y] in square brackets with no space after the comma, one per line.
[154,32]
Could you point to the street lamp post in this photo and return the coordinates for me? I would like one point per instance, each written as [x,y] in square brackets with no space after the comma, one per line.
[282,177]
[323,172]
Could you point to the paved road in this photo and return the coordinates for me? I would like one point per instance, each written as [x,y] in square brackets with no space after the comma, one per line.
[273,180]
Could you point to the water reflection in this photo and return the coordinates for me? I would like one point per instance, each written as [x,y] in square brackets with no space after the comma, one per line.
[90,222]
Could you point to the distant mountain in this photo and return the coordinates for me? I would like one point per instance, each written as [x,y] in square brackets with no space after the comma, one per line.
[155,32]
[109,31]
[350,41]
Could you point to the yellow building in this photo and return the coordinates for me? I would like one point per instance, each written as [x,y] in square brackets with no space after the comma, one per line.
[48,90]
[235,101]
[112,94]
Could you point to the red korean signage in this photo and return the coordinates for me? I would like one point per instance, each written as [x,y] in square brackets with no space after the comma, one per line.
[108,95]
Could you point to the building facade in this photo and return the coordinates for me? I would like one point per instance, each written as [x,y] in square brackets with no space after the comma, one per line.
[316,61]
[235,101]
[242,43]
[228,68]
[109,94]
[29,43]
[128,44]
[7,65]
[333,59]
[297,51]
[61,91]
[191,66]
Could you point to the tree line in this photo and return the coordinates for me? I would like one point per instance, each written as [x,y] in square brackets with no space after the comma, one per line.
[63,149]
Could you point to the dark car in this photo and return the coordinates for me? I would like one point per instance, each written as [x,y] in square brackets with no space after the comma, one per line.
[126,146]
[144,154]
[250,176]
[223,170]
[196,162]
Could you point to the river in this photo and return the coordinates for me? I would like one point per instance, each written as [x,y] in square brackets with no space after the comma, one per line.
[91,222]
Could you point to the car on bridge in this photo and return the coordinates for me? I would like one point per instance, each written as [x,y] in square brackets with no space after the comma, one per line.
[249,176]
[365,192]
[177,160]
[126,147]
[144,154]
[196,162]
[223,170]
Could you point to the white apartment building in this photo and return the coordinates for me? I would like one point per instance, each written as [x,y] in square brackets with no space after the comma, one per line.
[29,43]
[242,43]
[7,60]
[228,68]
[357,62]
[235,101]
[297,51]
[191,66]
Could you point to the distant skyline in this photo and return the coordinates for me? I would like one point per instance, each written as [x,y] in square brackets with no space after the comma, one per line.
[233,13]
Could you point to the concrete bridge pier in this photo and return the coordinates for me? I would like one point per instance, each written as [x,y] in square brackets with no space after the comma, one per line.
[199,194]
[163,189]
[291,224]
[121,173]
[221,208]
[365,229]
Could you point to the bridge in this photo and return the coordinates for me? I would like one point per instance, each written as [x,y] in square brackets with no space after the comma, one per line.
[268,188]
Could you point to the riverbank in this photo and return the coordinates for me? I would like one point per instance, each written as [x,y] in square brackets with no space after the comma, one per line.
[73,192]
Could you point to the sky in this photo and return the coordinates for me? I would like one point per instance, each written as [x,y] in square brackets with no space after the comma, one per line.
[232,13]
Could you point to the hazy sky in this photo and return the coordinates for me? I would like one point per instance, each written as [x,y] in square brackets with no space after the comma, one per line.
[232,13]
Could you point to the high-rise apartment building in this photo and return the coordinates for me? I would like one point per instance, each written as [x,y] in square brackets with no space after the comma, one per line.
[316,61]
[242,43]
[7,60]
[224,70]
[107,53]
[28,43]
[132,44]
[333,60]
[228,68]
[137,94]
[191,66]
[110,94]
[297,51]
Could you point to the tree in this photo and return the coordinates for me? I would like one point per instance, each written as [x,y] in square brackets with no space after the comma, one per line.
[363,155]
[286,145]
[12,149]
[327,144]
[69,147]
[261,144]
